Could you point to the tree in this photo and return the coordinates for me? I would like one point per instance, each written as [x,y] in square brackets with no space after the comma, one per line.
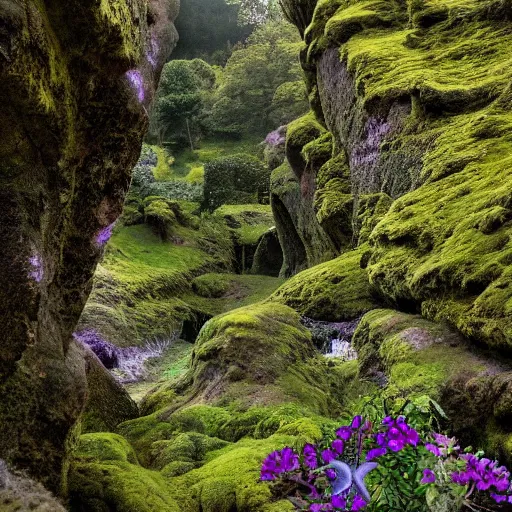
[181,98]
[257,12]
[253,74]
[209,29]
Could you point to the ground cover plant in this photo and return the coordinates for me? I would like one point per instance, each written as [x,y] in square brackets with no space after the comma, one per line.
[386,466]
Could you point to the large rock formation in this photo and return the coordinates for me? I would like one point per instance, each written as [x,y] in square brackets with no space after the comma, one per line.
[416,97]
[76,77]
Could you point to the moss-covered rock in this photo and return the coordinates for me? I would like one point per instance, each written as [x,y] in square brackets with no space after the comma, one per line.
[18,494]
[413,357]
[268,258]
[336,290]
[283,363]
[108,403]
[72,132]
[303,241]
[429,129]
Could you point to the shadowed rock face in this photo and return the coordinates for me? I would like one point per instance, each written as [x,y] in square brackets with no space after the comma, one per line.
[77,76]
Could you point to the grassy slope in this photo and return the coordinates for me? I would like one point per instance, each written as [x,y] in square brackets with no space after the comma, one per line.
[189,165]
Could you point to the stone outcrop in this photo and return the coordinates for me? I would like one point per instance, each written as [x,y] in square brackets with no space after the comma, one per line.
[416,100]
[77,77]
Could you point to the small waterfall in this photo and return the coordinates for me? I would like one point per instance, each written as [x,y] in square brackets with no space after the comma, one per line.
[333,339]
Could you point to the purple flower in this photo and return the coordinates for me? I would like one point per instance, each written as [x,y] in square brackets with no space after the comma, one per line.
[482,474]
[338,446]
[310,458]
[397,436]
[376,452]
[428,477]
[279,461]
[277,137]
[328,455]
[356,422]
[344,433]
[338,502]
[358,503]
[330,474]
[396,445]
[434,449]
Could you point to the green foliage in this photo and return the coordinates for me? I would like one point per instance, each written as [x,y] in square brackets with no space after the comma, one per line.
[251,80]
[335,290]
[182,95]
[234,179]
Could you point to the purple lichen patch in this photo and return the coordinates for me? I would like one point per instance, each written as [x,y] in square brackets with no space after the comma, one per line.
[104,235]
[152,53]
[367,152]
[36,273]
[277,137]
[136,80]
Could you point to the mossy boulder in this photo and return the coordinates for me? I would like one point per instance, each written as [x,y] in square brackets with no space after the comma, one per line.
[18,494]
[283,363]
[335,291]
[108,403]
[413,357]
[268,258]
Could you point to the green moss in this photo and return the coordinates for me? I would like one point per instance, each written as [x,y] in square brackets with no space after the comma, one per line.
[317,152]
[249,222]
[242,290]
[212,285]
[104,447]
[185,447]
[301,132]
[231,479]
[336,290]
[135,296]
[116,485]
[303,241]
[419,356]
[371,209]
[449,237]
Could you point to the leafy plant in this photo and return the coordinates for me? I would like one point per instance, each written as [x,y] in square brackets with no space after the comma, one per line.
[403,471]
[235,180]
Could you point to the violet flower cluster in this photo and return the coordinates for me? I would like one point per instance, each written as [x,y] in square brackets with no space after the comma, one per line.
[331,474]
[479,474]
[396,436]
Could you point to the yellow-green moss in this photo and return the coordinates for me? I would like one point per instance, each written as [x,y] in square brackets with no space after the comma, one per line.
[301,132]
[104,447]
[249,222]
[451,61]
[418,356]
[336,290]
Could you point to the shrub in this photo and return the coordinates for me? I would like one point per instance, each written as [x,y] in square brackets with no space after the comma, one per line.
[234,179]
